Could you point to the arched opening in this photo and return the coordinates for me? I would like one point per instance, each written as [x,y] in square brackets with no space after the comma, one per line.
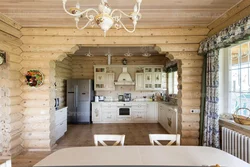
[80,65]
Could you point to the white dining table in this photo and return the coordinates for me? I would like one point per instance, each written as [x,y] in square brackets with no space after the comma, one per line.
[141,155]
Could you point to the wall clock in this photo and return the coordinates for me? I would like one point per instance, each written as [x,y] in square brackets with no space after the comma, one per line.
[2,57]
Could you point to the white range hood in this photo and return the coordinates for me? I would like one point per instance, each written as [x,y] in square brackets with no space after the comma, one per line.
[124,78]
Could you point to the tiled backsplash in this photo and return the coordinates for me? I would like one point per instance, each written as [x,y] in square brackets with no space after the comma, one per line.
[120,90]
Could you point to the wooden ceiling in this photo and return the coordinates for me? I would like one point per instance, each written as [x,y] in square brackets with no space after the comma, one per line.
[155,13]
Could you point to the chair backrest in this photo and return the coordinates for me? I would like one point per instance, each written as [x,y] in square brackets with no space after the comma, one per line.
[154,138]
[118,139]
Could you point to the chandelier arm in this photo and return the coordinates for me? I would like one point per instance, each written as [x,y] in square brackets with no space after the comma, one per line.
[139,8]
[118,10]
[83,26]
[81,13]
[130,31]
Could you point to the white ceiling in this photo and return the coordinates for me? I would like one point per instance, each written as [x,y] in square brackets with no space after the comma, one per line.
[155,13]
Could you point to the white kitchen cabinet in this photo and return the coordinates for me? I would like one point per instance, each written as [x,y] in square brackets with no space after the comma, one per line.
[157,81]
[96,112]
[110,79]
[160,113]
[139,79]
[148,81]
[164,81]
[152,112]
[141,112]
[168,117]
[103,80]
[108,117]
[109,111]
[139,116]
[60,122]
[151,79]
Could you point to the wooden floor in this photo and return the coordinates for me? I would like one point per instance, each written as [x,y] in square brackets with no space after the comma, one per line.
[82,135]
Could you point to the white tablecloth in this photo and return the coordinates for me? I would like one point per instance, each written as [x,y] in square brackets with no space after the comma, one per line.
[141,155]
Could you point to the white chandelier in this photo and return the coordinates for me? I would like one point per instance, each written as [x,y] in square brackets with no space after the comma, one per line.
[105,18]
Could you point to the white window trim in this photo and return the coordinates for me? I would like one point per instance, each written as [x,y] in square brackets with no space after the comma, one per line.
[224,78]
[172,88]
[223,81]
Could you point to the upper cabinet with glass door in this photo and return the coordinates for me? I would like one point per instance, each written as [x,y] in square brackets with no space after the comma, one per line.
[152,78]
[103,80]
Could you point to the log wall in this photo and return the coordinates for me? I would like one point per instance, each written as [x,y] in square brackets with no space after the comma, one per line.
[63,72]
[10,100]
[181,43]
[189,94]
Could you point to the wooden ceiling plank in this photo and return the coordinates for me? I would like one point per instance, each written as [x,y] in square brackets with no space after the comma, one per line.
[233,19]
[110,40]
[230,13]
[156,13]
[112,32]
[10,22]
[9,29]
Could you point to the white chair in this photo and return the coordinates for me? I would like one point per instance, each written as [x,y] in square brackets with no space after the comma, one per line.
[153,138]
[118,139]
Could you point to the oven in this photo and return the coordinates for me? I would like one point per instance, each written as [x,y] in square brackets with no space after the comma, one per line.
[124,110]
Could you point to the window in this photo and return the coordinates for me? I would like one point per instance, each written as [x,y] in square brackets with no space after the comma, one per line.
[172,83]
[237,71]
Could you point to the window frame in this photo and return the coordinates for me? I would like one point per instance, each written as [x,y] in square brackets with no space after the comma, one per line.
[173,83]
[225,78]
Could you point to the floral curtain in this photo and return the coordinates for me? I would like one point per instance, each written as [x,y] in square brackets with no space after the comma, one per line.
[226,37]
[211,116]
[210,49]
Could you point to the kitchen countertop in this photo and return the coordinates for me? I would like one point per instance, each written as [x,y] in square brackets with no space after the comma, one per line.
[162,102]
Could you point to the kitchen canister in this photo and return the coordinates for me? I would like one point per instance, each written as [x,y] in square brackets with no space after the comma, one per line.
[96,98]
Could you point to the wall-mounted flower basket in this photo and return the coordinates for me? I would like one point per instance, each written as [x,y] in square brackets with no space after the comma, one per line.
[34,78]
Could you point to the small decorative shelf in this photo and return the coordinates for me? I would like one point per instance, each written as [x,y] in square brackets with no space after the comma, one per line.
[34,78]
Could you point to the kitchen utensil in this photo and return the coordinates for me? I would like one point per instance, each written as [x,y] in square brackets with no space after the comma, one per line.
[120,98]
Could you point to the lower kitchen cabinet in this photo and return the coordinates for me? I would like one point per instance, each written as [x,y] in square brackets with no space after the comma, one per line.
[96,112]
[167,117]
[152,112]
[108,117]
[60,122]
[140,112]
[139,116]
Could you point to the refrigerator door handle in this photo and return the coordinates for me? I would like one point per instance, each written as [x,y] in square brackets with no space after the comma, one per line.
[76,96]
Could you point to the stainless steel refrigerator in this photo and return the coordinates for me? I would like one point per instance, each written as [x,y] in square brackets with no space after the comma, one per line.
[80,94]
